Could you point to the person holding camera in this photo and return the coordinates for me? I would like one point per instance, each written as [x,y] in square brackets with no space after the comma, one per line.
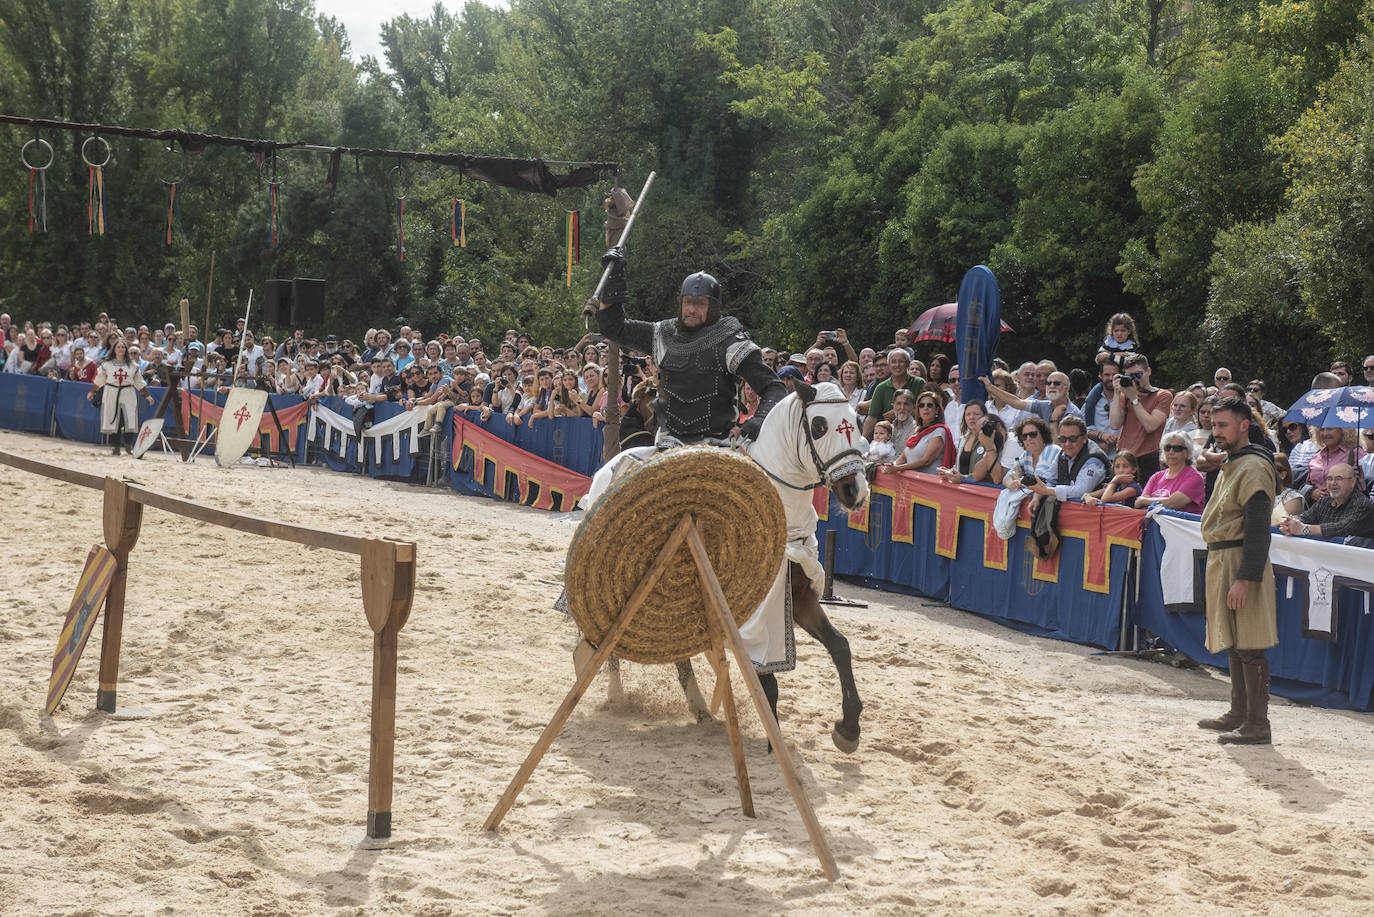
[1139,411]
[980,447]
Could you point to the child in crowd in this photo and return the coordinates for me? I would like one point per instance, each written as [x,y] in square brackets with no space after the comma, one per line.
[1124,485]
[881,451]
[1121,335]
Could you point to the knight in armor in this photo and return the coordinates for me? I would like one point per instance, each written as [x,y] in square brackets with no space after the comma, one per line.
[700,355]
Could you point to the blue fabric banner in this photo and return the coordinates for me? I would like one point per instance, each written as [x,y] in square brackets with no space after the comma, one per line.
[26,402]
[977,330]
[1061,608]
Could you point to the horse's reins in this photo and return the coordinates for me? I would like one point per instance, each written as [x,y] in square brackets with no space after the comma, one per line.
[823,468]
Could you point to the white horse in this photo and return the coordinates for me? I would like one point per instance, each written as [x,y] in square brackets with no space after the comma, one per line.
[809,439]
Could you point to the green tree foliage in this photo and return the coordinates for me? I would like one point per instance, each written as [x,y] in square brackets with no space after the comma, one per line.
[1203,165]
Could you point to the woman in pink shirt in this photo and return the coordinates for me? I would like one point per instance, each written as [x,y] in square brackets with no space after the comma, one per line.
[1178,485]
[1335,450]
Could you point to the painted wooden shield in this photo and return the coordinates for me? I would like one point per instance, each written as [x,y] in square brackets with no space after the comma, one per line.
[80,620]
[238,424]
[147,435]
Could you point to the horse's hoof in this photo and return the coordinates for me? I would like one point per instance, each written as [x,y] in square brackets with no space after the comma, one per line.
[843,743]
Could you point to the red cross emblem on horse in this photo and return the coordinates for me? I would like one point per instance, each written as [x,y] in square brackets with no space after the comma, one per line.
[847,429]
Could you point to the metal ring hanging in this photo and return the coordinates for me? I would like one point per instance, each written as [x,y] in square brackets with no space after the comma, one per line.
[181,172]
[24,154]
[399,182]
[85,144]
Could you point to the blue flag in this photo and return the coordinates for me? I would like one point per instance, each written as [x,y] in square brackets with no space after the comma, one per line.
[977,330]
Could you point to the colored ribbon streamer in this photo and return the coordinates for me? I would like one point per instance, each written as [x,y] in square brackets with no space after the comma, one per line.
[174,211]
[400,229]
[273,216]
[95,204]
[574,253]
[38,206]
[459,227]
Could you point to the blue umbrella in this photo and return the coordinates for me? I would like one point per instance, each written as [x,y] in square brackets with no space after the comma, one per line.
[1347,406]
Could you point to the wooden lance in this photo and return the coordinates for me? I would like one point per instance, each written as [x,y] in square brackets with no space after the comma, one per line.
[611,440]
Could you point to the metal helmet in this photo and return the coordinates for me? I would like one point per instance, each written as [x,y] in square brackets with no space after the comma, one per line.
[703,284]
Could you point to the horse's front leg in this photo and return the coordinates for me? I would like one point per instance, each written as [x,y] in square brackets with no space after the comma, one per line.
[807,612]
[687,677]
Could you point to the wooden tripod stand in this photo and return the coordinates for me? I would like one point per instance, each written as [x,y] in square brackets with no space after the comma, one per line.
[723,632]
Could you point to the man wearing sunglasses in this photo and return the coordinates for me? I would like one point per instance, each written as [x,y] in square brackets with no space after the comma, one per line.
[1139,411]
[1082,464]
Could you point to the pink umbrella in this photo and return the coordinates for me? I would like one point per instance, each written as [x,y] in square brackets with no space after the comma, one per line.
[938,324]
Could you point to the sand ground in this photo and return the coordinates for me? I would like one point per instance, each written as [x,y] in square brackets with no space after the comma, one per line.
[998,774]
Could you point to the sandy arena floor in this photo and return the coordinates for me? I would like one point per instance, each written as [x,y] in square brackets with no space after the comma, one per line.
[999,773]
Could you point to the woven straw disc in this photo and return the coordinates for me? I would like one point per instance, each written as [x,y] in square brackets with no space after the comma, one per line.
[741,520]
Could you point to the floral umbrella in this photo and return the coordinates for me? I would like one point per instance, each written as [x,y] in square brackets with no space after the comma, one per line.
[1347,406]
[938,324]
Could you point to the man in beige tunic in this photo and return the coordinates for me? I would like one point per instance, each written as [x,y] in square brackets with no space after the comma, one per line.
[1241,614]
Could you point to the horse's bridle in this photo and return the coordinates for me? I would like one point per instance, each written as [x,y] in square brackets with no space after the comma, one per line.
[840,465]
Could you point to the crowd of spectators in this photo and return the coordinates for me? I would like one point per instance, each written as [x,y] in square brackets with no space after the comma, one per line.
[1116,439]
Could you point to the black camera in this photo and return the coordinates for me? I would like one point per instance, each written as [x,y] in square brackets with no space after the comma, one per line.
[1127,381]
[1029,480]
[990,427]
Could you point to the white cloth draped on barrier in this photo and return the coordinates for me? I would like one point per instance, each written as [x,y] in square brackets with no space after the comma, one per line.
[411,421]
[333,422]
[1318,568]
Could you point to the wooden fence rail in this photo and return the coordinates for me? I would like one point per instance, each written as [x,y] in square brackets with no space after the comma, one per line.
[388,587]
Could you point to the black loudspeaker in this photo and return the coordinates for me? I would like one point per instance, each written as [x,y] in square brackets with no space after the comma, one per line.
[307,303]
[276,304]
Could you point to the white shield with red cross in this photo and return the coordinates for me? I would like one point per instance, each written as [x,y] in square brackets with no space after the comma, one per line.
[238,424]
[147,435]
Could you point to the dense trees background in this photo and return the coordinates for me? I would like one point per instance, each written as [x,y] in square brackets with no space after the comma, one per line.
[1207,166]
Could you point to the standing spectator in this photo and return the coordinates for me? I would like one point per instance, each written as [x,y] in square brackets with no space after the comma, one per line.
[1097,408]
[1182,415]
[1341,370]
[1241,605]
[851,383]
[82,369]
[1202,435]
[1052,409]
[880,373]
[1369,369]
[1271,412]
[402,355]
[1178,485]
[880,406]
[1139,411]
[1297,442]
[567,398]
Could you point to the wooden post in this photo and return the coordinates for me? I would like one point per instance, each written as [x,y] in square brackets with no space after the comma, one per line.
[388,591]
[121,519]
[587,672]
[727,697]
[720,608]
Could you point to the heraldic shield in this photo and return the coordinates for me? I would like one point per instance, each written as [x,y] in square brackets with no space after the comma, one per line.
[238,424]
[147,435]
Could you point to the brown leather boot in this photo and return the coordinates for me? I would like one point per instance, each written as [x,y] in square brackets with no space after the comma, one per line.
[1255,729]
[1236,715]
